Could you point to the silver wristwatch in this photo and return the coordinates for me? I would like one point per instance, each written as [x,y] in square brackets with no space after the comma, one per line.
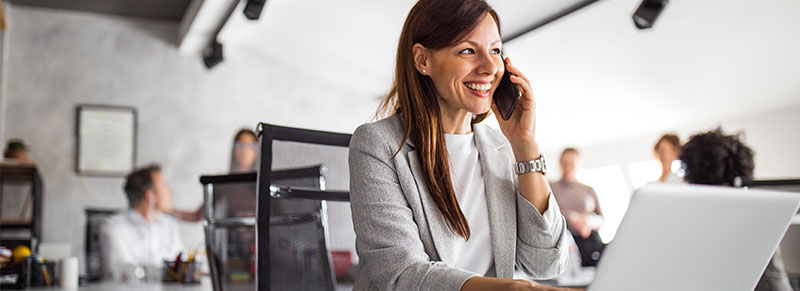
[537,165]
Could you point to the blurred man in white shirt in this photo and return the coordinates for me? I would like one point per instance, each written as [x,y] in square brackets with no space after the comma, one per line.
[141,235]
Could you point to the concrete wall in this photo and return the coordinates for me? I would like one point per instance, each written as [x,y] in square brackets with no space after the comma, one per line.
[187,115]
[2,85]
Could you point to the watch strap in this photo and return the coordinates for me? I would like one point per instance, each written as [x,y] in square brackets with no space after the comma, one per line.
[537,165]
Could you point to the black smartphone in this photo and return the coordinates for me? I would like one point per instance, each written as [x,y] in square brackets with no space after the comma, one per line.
[507,94]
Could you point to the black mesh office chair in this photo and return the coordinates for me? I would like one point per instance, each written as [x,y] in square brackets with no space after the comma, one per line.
[23,184]
[229,221]
[292,242]
[95,218]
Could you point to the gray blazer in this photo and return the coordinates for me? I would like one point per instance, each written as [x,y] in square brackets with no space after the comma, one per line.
[404,242]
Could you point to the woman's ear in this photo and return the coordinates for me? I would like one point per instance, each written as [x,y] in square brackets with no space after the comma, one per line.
[421,55]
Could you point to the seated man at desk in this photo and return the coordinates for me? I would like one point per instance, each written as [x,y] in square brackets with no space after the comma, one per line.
[141,235]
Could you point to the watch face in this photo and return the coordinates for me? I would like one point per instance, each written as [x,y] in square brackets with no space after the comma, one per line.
[544,165]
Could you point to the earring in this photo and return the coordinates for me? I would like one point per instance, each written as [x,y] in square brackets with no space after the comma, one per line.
[424,71]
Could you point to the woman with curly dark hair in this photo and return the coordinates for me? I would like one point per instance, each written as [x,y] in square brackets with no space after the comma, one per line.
[714,158]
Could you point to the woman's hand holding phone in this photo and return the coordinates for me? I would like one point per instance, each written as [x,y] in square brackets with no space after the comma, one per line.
[520,129]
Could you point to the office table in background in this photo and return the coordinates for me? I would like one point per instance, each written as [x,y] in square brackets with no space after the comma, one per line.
[205,285]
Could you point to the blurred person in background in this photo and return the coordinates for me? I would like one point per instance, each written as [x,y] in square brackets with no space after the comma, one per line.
[714,158]
[141,235]
[581,208]
[17,199]
[245,152]
[17,152]
[667,150]
[244,159]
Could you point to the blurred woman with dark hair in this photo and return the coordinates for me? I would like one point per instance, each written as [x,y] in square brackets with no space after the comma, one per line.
[714,158]
[436,201]
[244,154]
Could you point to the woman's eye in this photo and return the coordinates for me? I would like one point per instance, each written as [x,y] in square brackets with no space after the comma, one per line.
[496,51]
[467,51]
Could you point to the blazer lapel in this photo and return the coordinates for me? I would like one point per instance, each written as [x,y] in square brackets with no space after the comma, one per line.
[440,231]
[500,199]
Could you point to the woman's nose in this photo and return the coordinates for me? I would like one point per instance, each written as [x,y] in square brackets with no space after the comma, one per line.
[489,64]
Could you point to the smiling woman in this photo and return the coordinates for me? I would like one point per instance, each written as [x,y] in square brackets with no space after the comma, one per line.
[435,199]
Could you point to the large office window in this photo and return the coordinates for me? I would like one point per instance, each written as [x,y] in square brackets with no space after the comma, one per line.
[613,193]
[644,172]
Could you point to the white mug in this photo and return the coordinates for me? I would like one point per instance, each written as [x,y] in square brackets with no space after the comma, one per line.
[69,273]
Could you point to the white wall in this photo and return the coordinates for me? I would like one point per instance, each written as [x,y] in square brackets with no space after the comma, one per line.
[773,135]
[703,61]
[187,114]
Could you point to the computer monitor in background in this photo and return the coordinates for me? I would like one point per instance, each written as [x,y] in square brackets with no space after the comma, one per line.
[787,185]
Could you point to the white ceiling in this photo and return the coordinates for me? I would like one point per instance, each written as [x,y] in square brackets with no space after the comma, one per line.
[350,40]
[597,77]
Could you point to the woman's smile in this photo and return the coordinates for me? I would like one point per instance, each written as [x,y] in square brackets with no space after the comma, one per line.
[479,88]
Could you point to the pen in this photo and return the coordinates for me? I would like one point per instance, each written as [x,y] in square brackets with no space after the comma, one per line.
[46,275]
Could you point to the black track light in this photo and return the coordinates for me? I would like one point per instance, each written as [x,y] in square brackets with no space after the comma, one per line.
[647,13]
[252,10]
[212,55]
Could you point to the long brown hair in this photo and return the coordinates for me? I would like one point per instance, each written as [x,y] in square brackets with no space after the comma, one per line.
[434,24]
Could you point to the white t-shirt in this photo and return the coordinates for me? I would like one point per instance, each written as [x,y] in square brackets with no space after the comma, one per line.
[674,179]
[127,239]
[474,255]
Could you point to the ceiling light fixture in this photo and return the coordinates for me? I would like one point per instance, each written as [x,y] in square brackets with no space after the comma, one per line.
[647,13]
[252,10]
[212,55]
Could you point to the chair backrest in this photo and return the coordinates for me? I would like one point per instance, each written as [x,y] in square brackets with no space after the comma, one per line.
[292,242]
[21,190]
[229,214]
[94,249]
[229,221]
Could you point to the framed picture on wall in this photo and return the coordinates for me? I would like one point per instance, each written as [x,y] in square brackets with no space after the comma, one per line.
[106,140]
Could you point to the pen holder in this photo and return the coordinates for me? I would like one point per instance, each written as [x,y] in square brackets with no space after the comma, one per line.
[31,271]
[42,274]
[183,272]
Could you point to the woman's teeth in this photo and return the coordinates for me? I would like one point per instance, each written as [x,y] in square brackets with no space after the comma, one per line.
[478,87]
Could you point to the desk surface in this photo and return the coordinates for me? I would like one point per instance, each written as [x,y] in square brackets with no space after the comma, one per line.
[205,285]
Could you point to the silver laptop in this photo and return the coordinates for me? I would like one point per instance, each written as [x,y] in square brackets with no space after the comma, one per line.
[681,237]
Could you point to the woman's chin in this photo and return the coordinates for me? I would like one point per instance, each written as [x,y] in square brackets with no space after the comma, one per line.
[481,110]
